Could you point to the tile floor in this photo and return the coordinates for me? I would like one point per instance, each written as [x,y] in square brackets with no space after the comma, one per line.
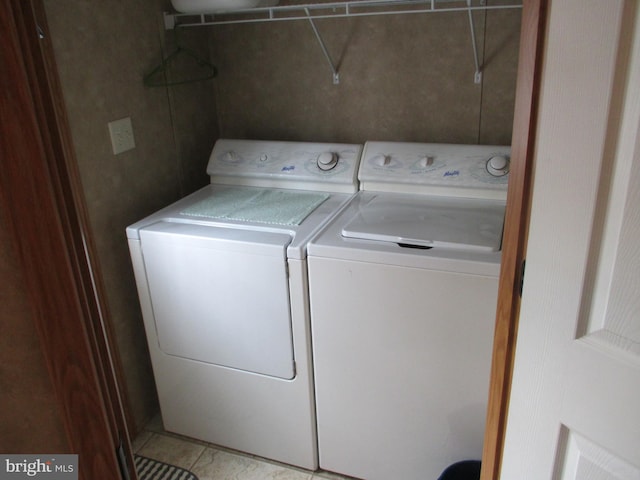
[210,462]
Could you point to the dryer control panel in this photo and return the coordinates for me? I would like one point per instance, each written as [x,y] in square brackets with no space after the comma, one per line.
[480,171]
[329,167]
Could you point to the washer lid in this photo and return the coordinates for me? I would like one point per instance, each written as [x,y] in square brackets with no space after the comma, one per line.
[430,222]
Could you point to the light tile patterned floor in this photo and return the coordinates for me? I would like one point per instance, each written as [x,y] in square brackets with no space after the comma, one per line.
[210,462]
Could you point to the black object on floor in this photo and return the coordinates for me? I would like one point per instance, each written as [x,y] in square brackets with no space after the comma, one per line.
[149,469]
[466,470]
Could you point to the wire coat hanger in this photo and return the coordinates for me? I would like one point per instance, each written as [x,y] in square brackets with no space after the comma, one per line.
[160,75]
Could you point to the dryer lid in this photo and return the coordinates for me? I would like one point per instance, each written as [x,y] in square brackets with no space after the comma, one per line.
[430,222]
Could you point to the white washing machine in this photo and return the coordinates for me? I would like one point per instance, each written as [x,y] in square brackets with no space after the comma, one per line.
[222,281]
[403,287]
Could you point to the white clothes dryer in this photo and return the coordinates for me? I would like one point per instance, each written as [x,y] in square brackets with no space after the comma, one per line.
[222,281]
[403,287]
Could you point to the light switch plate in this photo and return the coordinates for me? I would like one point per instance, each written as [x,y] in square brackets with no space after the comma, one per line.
[121,132]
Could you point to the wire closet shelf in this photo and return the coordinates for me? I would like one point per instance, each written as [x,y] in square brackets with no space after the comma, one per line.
[357,8]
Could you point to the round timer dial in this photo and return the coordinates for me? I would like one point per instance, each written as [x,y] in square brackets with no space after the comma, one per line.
[327,161]
[498,165]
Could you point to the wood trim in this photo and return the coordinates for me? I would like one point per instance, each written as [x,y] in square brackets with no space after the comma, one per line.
[534,15]
[84,247]
[45,211]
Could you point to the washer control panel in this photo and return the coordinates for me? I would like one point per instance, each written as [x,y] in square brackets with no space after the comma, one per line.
[286,164]
[467,170]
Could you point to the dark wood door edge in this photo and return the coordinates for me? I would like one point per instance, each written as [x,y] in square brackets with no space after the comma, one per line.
[84,247]
[534,17]
[41,196]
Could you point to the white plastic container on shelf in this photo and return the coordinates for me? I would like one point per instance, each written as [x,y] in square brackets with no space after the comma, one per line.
[213,6]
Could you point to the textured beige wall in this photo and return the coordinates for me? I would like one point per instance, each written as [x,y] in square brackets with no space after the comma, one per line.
[402,77]
[103,48]
[500,57]
[405,77]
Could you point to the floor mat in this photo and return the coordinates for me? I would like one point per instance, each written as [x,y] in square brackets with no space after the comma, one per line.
[149,469]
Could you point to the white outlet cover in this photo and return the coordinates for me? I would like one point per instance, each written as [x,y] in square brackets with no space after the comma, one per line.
[121,133]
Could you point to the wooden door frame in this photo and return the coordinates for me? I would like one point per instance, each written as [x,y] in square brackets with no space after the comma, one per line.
[532,33]
[46,216]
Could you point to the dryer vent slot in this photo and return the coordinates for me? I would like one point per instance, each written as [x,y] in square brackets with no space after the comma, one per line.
[410,245]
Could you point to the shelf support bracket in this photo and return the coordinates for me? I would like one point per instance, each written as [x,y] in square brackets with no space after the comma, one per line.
[336,75]
[478,75]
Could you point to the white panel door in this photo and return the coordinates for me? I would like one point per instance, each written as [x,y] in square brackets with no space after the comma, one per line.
[575,400]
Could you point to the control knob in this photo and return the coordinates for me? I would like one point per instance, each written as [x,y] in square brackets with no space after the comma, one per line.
[426,161]
[382,160]
[498,165]
[230,157]
[327,160]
